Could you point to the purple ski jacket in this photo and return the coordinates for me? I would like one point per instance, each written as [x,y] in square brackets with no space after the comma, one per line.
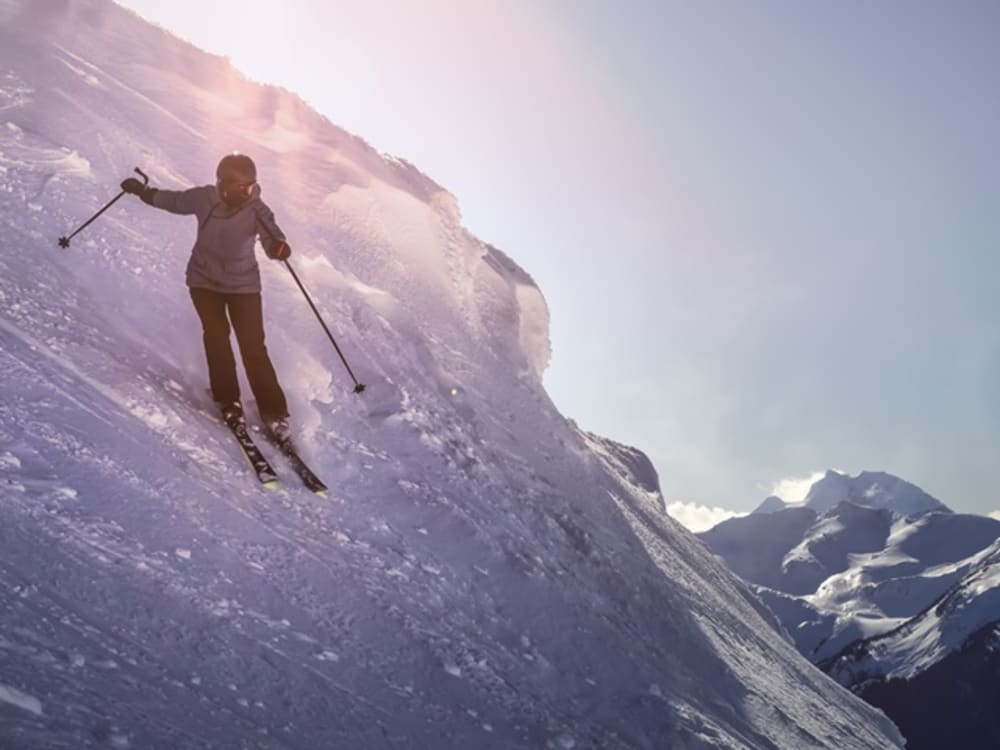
[223,257]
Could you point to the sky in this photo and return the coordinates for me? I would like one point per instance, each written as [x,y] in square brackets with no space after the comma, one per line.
[766,231]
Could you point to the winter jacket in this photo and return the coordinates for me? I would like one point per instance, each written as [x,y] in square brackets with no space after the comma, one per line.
[223,257]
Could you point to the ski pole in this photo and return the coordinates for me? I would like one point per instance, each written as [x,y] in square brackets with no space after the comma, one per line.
[358,387]
[64,241]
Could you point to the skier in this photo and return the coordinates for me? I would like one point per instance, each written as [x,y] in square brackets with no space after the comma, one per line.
[223,277]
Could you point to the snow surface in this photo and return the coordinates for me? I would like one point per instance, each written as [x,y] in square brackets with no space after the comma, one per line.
[484,574]
[15,697]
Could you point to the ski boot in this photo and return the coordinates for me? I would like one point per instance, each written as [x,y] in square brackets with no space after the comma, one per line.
[232,415]
[278,431]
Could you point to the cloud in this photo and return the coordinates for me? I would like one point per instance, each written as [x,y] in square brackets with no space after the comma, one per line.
[795,489]
[995,514]
[699,517]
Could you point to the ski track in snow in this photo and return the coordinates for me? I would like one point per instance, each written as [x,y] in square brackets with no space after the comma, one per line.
[483,573]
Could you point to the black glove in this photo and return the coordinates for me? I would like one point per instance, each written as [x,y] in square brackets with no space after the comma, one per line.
[133,186]
[282,251]
[145,192]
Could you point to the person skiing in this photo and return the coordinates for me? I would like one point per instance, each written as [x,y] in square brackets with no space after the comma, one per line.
[224,283]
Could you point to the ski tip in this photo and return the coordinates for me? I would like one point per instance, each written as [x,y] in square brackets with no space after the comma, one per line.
[272,484]
[320,493]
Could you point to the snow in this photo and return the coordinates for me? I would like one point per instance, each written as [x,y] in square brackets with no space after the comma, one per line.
[483,573]
[14,697]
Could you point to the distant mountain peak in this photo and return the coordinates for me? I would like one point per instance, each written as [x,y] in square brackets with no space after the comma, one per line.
[871,489]
[771,504]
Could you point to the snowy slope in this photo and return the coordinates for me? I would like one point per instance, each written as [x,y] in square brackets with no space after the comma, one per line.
[484,573]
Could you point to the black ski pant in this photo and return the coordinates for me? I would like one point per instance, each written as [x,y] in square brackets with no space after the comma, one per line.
[247,317]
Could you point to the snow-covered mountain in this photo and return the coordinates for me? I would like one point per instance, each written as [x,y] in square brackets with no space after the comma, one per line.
[484,574]
[968,606]
[869,489]
[938,674]
[848,572]
[896,605]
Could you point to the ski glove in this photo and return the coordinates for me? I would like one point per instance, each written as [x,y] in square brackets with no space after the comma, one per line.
[133,186]
[282,251]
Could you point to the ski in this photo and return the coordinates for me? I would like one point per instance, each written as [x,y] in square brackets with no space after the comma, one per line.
[302,471]
[265,473]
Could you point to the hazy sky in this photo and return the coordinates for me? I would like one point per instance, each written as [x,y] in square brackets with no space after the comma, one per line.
[767,231]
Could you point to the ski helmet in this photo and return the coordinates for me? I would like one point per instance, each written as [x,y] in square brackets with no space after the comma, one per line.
[236,176]
[236,167]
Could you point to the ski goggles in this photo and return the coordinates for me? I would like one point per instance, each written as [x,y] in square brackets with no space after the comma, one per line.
[235,189]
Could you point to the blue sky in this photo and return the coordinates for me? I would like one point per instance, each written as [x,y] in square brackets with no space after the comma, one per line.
[766,231]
